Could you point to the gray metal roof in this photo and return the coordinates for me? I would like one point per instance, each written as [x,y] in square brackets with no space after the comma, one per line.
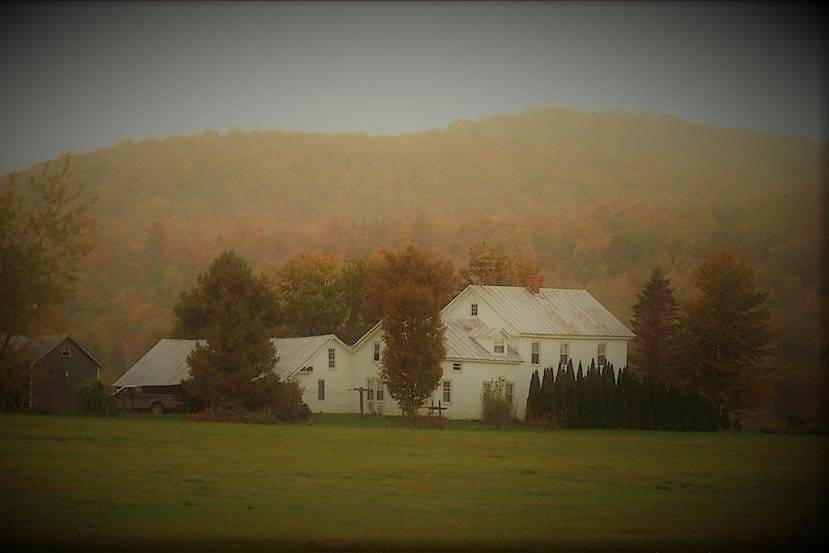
[553,311]
[166,362]
[460,343]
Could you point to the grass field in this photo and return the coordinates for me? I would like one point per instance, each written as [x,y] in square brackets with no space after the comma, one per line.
[346,482]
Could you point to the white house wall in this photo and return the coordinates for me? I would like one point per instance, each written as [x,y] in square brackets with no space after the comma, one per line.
[460,308]
[365,367]
[467,385]
[337,380]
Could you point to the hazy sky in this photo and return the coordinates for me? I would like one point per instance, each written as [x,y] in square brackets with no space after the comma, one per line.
[80,76]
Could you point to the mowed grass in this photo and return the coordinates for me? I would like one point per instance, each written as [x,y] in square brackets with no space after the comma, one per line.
[346,482]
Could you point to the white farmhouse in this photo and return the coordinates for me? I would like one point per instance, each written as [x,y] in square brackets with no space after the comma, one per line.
[491,331]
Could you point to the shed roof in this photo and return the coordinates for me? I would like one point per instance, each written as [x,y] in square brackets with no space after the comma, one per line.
[42,344]
[553,311]
[166,362]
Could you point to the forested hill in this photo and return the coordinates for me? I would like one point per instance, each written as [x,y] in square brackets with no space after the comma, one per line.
[598,198]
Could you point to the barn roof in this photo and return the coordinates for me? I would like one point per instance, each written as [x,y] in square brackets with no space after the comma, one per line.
[166,362]
[461,344]
[42,344]
[553,311]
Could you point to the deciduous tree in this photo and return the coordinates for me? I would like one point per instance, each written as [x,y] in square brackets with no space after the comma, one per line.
[46,231]
[729,330]
[390,269]
[413,333]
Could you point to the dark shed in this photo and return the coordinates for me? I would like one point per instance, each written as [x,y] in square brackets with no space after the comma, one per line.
[60,366]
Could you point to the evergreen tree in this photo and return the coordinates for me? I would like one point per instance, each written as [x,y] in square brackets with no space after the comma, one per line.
[232,309]
[581,397]
[656,349]
[621,399]
[561,396]
[572,397]
[685,414]
[229,280]
[609,387]
[533,399]
[548,394]
[647,403]
[673,408]
[660,405]
[634,400]
[597,395]
[587,407]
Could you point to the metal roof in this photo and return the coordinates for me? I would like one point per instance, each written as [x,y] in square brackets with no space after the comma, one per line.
[42,344]
[166,362]
[553,311]
[460,343]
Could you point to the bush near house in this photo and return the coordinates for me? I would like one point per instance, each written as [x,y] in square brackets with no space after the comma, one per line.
[93,399]
[496,408]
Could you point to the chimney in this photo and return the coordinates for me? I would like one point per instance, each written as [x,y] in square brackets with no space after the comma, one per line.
[533,283]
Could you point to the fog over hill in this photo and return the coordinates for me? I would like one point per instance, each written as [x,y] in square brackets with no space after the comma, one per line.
[598,198]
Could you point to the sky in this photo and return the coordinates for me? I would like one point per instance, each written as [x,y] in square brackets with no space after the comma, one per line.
[79,76]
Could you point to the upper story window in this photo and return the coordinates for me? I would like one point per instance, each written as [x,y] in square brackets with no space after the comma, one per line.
[376,351]
[447,391]
[564,354]
[535,354]
[499,345]
[456,367]
[473,310]
[601,354]
[332,361]
[65,352]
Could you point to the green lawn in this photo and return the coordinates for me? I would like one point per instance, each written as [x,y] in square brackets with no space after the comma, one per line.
[150,483]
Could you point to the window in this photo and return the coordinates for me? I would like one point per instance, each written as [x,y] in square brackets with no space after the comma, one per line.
[565,354]
[376,351]
[65,374]
[447,391]
[64,351]
[456,367]
[536,346]
[473,309]
[509,392]
[486,388]
[321,390]
[332,362]
[499,345]
[374,389]
[602,354]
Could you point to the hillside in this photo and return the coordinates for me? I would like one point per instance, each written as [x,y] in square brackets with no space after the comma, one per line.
[597,198]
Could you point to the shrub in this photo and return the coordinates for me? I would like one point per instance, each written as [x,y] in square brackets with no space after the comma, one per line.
[93,399]
[272,400]
[496,409]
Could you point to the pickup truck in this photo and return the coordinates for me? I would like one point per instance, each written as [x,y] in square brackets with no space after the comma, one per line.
[155,399]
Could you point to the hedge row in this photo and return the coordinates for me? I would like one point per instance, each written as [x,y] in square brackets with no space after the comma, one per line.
[598,399]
